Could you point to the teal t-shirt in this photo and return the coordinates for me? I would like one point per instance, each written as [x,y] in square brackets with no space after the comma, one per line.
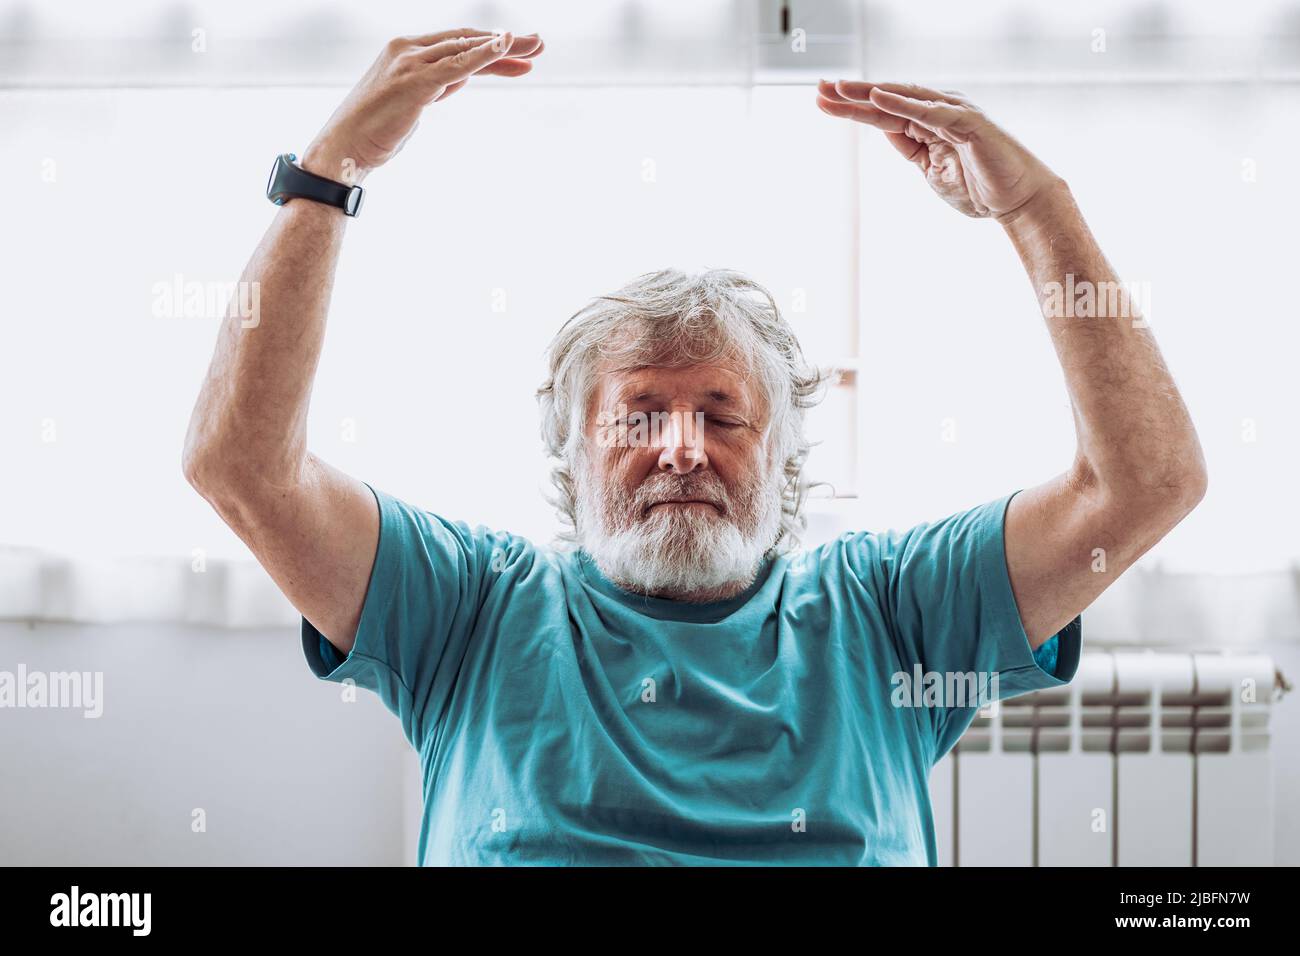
[561,720]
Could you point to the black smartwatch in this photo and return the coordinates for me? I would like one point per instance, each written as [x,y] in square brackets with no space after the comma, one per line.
[289,181]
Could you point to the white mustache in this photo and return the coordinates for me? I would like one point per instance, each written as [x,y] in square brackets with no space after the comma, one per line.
[718,501]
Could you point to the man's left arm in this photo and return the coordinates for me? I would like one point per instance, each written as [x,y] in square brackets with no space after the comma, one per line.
[1139,468]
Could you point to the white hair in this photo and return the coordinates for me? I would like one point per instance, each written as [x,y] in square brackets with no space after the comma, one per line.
[671,319]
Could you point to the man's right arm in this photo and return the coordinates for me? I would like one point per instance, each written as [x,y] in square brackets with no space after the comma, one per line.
[314,529]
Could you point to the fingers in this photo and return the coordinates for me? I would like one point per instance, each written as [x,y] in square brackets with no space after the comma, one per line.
[454,46]
[458,57]
[506,67]
[502,67]
[515,63]
[429,39]
[940,116]
[530,44]
[916,112]
[913,151]
[833,103]
[445,61]
[451,61]
[861,91]
[450,90]
[526,46]
[517,47]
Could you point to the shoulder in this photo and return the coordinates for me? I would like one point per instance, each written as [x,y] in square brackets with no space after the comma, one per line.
[411,533]
[875,556]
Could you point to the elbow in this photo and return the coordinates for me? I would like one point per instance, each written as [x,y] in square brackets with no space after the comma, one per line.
[1148,500]
[1175,495]
[231,480]
[214,463]
[1196,484]
[208,466]
[1161,501]
[197,466]
[191,462]
[197,457]
[217,483]
[1189,480]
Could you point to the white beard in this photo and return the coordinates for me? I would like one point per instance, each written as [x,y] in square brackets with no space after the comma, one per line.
[687,554]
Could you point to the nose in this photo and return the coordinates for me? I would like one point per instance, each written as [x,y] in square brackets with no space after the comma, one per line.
[683,445]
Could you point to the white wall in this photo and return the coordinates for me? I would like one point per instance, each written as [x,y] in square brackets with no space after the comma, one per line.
[232,722]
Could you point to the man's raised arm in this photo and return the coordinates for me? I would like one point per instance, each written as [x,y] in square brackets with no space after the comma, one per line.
[1138,469]
[313,528]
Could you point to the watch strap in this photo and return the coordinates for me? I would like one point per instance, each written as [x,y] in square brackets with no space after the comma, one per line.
[290,181]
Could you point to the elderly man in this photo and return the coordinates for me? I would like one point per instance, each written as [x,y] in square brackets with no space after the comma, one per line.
[681,685]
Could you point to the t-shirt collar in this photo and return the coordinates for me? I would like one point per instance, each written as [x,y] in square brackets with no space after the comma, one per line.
[666,607]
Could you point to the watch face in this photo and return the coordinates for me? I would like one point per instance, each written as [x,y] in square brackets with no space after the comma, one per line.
[355,198]
[270,182]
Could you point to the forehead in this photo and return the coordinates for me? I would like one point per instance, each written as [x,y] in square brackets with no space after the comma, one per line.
[720,384]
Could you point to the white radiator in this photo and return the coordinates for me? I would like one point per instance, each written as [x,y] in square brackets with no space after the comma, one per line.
[1144,759]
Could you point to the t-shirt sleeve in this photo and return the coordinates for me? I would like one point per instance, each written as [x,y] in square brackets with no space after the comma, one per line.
[945,594]
[426,588]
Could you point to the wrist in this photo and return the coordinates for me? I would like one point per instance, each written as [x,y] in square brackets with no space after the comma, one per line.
[1047,203]
[335,164]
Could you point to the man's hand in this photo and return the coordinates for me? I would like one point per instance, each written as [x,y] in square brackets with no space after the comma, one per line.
[384,108]
[977,167]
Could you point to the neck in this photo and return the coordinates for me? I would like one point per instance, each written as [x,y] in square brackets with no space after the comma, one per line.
[703,596]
